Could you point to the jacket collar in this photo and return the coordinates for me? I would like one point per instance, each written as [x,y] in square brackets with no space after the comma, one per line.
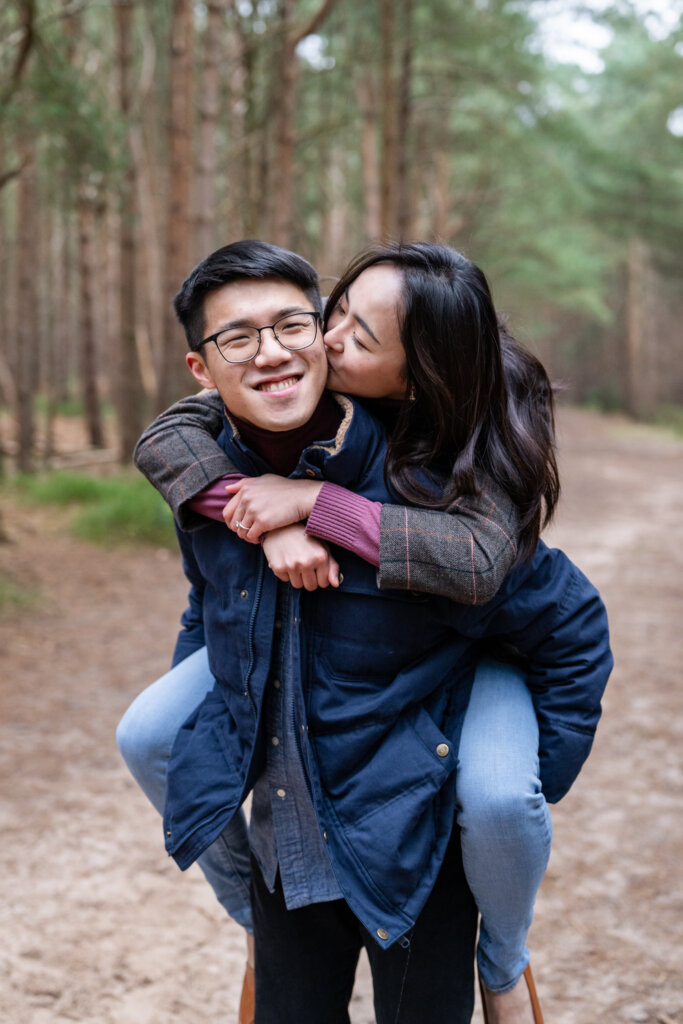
[346,458]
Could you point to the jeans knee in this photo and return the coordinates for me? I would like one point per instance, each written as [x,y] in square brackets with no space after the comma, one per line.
[502,811]
[126,739]
[139,744]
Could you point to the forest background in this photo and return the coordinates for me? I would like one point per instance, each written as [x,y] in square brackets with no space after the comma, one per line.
[138,135]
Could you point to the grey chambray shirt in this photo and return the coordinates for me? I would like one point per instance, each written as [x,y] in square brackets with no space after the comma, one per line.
[283,831]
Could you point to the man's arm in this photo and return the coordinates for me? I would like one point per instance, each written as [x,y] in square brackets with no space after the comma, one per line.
[178,452]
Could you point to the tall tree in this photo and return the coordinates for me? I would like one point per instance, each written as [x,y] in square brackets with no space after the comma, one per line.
[404,192]
[129,391]
[26,350]
[16,68]
[86,207]
[388,184]
[172,375]
[286,84]
[209,110]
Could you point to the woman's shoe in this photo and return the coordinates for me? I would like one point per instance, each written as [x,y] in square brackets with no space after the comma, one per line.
[246,1015]
[533,997]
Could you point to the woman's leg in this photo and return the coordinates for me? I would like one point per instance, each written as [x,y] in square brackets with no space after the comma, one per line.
[505,824]
[145,736]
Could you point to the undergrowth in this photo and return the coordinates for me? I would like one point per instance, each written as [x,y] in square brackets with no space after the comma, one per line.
[111,510]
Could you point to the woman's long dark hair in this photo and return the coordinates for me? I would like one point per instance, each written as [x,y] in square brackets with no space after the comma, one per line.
[476,401]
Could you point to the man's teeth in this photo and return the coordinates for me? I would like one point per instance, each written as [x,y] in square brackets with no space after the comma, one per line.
[278,385]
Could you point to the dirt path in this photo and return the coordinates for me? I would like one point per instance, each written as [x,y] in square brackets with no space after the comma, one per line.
[100,928]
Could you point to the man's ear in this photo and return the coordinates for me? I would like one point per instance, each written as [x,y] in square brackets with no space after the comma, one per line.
[199,369]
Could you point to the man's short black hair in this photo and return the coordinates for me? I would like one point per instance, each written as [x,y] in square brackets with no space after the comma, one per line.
[247,259]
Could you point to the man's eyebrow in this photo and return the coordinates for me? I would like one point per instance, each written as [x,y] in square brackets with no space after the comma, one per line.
[359,319]
[247,322]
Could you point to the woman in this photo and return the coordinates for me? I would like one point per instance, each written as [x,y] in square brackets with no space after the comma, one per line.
[413,328]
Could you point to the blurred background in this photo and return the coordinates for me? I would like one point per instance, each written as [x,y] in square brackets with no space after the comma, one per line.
[544,139]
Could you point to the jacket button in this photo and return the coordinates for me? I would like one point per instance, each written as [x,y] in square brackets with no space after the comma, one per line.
[311,472]
[276,684]
[443,750]
[168,833]
[382,934]
[244,593]
[281,793]
[275,741]
[341,578]
[325,837]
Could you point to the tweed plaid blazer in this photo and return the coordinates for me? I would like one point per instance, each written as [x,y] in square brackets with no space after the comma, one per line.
[463,554]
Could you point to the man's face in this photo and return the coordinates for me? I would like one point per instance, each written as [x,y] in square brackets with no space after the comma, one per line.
[277,389]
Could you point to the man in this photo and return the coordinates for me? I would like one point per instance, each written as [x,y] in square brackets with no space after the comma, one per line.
[340,708]
[259,305]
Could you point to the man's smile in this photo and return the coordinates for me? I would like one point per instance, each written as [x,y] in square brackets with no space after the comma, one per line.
[280,384]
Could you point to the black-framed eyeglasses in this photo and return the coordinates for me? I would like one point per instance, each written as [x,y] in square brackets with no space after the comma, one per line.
[240,344]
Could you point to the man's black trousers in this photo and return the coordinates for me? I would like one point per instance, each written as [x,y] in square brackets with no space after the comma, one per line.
[306,959]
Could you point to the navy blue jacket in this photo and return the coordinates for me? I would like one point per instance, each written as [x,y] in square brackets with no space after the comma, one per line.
[386,676]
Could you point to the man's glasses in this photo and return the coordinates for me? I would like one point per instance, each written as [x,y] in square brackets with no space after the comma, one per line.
[240,344]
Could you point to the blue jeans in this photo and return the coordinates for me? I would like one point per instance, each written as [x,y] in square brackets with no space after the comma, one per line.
[505,825]
[145,736]
[506,831]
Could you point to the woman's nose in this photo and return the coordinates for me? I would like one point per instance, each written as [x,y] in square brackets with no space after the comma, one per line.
[334,340]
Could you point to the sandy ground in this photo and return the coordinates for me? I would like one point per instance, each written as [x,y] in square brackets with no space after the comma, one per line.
[98,926]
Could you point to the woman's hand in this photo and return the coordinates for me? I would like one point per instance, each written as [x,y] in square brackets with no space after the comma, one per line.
[260,504]
[300,560]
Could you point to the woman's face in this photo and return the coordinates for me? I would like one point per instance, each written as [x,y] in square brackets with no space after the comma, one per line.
[364,351]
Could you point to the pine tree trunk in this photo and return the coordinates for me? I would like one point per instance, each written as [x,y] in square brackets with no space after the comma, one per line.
[388,168]
[636,358]
[55,333]
[209,109]
[8,306]
[240,214]
[129,391]
[173,377]
[285,88]
[27,327]
[404,204]
[151,202]
[88,368]
[366,97]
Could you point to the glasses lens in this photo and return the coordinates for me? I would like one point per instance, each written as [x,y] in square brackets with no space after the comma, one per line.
[238,346]
[298,330]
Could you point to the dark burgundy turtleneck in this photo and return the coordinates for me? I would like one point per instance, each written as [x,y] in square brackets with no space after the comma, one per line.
[281,448]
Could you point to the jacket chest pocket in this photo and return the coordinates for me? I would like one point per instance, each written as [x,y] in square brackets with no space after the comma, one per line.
[364,634]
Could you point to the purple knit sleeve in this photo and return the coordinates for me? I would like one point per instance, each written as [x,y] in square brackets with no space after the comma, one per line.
[347,519]
[212,500]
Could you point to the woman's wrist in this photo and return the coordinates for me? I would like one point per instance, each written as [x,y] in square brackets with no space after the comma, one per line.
[342,517]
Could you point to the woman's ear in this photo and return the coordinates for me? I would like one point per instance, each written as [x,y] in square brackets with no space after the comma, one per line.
[199,369]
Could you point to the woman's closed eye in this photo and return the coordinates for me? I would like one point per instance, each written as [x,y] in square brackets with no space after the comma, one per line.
[358,343]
